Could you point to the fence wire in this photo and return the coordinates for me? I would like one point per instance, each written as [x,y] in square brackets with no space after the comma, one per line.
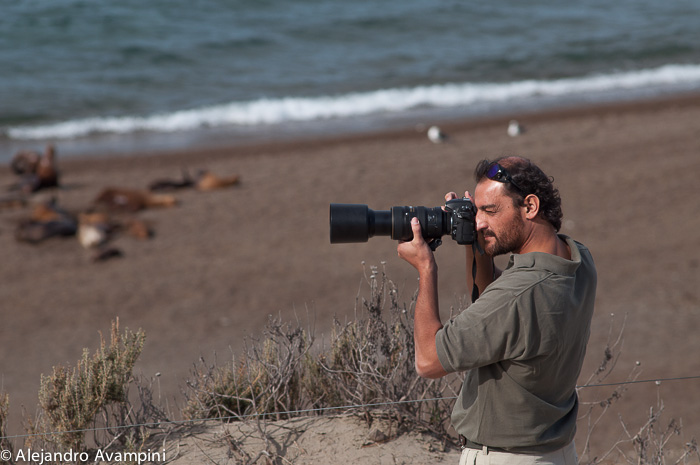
[314,410]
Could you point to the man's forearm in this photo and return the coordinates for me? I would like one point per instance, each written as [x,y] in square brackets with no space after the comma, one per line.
[426,325]
[427,315]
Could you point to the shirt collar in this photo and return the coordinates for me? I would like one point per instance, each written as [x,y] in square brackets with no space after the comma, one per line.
[548,261]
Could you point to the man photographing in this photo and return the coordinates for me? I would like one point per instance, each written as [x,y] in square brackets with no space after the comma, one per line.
[522,342]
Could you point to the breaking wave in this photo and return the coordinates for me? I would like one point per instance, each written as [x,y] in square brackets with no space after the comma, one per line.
[388,101]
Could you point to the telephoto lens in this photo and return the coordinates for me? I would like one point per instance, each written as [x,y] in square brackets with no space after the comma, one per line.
[434,222]
[357,223]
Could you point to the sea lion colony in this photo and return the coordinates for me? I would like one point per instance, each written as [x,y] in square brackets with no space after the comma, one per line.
[112,213]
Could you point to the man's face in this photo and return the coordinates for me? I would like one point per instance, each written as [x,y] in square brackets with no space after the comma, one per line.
[500,223]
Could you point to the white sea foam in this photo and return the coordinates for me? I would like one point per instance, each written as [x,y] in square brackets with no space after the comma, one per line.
[276,111]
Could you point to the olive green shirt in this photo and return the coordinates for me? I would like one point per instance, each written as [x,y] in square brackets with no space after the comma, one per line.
[523,343]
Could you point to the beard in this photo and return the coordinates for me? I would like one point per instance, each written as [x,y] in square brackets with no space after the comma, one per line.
[507,240]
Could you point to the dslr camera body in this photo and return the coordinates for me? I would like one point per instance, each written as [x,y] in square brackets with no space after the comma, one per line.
[357,223]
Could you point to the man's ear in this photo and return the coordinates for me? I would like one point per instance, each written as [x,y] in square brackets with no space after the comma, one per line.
[532,206]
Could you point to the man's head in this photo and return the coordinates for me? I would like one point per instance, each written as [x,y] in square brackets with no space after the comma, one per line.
[513,198]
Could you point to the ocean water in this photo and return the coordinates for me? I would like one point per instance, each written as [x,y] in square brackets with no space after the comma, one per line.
[96,76]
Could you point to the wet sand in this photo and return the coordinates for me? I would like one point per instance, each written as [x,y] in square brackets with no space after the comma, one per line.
[222,262]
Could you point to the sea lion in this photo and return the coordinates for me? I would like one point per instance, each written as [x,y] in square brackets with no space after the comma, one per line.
[47,169]
[33,231]
[36,171]
[49,211]
[47,220]
[207,181]
[172,184]
[25,162]
[12,201]
[204,181]
[137,229]
[132,200]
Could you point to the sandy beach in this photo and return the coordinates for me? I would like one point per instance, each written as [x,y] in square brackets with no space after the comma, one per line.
[221,262]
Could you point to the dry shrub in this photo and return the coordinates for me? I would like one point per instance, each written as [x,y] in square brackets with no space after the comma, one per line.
[71,399]
[654,443]
[4,408]
[369,363]
[651,443]
[267,380]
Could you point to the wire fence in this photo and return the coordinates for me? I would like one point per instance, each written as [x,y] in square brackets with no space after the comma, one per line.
[291,413]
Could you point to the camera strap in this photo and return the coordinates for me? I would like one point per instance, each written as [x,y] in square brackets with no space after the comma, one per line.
[475,289]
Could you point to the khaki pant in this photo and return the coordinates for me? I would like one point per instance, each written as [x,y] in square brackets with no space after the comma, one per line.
[563,456]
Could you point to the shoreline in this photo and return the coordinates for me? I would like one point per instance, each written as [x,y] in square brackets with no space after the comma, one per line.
[265,139]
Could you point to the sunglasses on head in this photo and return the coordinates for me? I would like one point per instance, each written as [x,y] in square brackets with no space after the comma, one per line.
[498,173]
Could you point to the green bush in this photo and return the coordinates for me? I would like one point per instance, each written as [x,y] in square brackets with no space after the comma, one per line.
[71,398]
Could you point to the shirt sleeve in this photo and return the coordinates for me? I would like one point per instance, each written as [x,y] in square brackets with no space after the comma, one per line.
[488,331]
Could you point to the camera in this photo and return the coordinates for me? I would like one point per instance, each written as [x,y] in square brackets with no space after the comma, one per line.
[357,223]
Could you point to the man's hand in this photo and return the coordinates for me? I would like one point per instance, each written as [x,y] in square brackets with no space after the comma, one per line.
[479,234]
[417,252]
[486,270]
[451,196]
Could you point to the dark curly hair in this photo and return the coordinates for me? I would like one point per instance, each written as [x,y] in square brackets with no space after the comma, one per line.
[531,180]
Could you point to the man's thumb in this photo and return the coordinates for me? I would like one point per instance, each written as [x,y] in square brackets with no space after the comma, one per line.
[415,226]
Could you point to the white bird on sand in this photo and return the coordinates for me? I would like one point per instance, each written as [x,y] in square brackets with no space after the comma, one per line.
[515,128]
[436,135]
[91,236]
